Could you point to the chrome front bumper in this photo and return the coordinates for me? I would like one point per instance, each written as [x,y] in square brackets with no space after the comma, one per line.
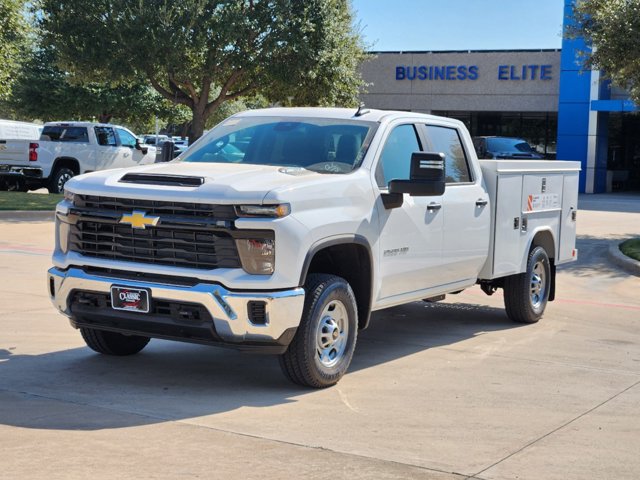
[228,309]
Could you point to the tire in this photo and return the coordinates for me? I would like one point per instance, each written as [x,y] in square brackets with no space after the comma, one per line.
[14,185]
[61,176]
[111,343]
[322,349]
[526,294]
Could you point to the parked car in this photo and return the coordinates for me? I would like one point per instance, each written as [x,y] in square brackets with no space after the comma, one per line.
[504,148]
[154,139]
[66,149]
[286,242]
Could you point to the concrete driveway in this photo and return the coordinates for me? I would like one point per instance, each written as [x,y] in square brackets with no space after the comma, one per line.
[435,391]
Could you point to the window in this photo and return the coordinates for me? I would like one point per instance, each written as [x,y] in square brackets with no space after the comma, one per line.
[65,134]
[446,140]
[395,160]
[106,136]
[126,139]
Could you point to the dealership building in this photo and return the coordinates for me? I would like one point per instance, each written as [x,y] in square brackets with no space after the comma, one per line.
[542,96]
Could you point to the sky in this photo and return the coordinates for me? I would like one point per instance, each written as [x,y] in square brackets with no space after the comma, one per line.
[392,25]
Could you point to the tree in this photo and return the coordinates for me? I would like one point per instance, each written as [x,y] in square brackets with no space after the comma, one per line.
[612,27]
[13,38]
[42,91]
[203,53]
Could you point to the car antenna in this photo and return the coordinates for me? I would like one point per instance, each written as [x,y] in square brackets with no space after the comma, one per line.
[361,110]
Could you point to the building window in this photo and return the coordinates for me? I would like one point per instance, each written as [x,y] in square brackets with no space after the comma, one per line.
[539,129]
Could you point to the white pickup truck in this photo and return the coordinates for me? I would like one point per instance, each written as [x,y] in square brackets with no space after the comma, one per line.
[66,149]
[281,230]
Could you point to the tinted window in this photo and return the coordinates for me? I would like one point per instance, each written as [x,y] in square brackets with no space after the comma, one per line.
[126,139]
[395,160]
[106,136]
[322,145]
[446,140]
[65,134]
[508,145]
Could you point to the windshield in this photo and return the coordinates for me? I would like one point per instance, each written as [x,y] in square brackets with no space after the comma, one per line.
[318,144]
[508,145]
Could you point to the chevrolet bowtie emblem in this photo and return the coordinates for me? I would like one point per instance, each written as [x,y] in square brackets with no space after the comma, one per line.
[138,219]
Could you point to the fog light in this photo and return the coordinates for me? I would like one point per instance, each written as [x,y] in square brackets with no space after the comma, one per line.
[258,255]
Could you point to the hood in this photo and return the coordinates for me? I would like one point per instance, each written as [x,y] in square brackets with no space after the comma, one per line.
[222,182]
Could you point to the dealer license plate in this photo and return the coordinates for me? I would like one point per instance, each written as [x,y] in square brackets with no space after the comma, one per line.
[130,299]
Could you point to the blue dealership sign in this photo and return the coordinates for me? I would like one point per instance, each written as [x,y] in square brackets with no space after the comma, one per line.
[472,72]
[432,72]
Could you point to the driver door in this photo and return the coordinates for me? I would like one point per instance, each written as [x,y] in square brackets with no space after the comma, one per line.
[410,235]
[129,154]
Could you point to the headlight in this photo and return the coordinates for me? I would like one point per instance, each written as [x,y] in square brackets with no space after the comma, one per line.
[270,211]
[258,255]
[69,196]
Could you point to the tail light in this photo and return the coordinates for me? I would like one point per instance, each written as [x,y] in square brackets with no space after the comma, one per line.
[33,152]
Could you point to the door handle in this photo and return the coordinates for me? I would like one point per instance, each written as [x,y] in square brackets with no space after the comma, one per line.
[481,202]
[433,206]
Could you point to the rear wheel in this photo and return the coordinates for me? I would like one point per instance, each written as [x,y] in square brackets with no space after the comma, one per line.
[61,176]
[323,346]
[526,295]
[112,343]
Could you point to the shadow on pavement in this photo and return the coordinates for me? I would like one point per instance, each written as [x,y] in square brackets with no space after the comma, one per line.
[77,389]
[593,257]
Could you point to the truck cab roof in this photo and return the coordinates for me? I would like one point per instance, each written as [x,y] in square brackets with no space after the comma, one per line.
[371,115]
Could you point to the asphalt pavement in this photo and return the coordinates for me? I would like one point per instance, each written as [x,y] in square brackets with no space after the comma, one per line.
[451,390]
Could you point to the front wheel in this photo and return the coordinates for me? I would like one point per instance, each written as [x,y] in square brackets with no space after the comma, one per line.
[526,294]
[112,343]
[321,351]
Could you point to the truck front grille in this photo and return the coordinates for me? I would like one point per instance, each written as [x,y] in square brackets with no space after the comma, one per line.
[161,245]
[156,207]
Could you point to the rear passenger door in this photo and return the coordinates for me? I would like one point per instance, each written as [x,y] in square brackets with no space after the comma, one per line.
[465,208]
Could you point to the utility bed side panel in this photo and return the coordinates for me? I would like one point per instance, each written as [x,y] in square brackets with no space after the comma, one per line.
[508,237]
[526,199]
[567,251]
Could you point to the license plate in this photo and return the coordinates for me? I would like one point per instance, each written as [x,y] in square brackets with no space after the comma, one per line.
[130,299]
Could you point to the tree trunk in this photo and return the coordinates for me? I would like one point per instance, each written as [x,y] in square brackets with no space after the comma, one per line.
[105,117]
[197,125]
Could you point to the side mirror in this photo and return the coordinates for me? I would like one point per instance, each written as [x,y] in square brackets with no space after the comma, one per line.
[426,176]
[140,147]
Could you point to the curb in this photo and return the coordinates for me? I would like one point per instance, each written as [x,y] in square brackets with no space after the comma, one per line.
[27,215]
[621,260]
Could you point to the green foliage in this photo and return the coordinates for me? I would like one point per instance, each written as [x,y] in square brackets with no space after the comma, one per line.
[203,53]
[42,91]
[613,28]
[14,31]
[631,248]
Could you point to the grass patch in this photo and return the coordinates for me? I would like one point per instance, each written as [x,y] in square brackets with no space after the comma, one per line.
[631,248]
[28,201]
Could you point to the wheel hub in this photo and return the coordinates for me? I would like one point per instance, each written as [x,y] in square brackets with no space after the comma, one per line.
[538,285]
[332,333]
